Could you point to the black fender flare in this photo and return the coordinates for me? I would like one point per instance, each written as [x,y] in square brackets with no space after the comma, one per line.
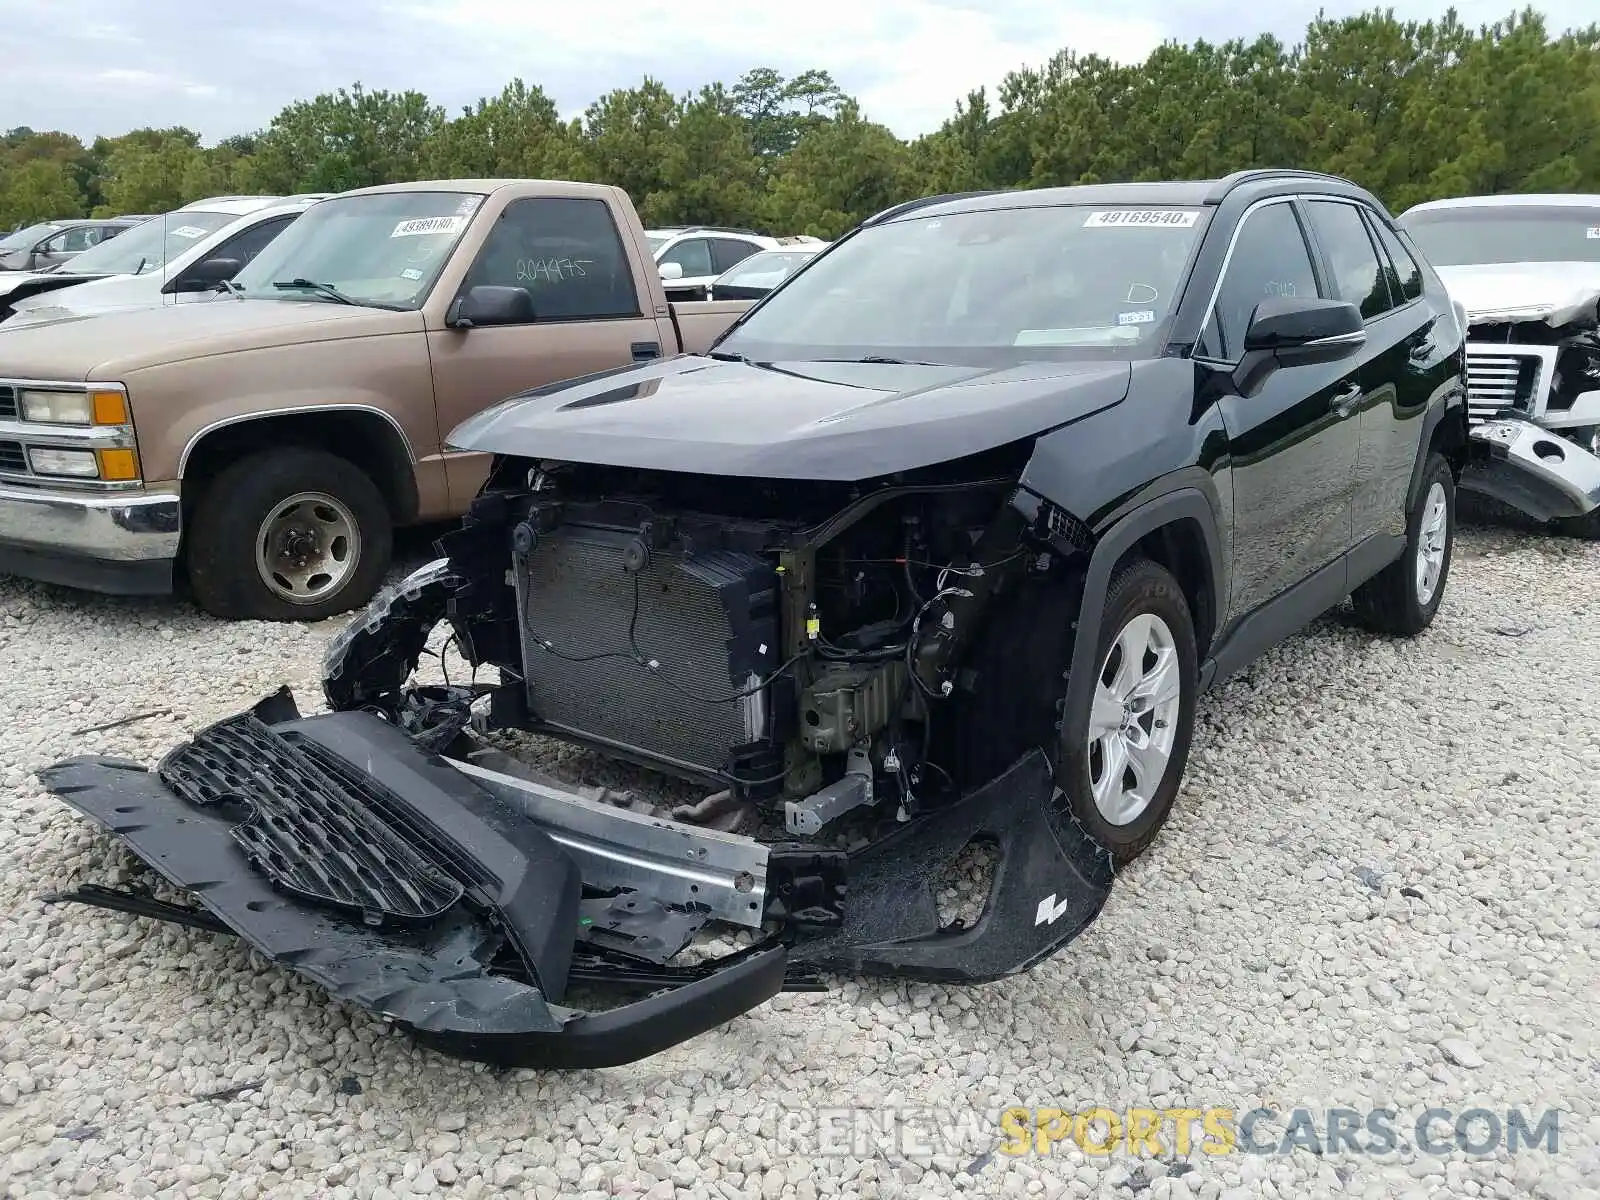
[1186,503]
[1452,407]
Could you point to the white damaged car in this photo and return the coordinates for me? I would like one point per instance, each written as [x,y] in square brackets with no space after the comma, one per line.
[1526,271]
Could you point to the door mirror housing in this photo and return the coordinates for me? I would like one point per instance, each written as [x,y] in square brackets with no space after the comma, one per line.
[204,276]
[672,270]
[1298,331]
[489,304]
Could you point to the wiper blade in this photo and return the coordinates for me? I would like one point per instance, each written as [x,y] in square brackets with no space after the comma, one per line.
[309,285]
[880,359]
[725,356]
[229,286]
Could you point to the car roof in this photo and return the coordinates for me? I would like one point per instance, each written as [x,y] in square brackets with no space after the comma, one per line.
[1526,200]
[1187,193]
[237,205]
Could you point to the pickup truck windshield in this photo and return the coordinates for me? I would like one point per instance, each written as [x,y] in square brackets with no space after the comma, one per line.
[1461,237]
[23,239]
[986,288]
[384,249]
[146,247]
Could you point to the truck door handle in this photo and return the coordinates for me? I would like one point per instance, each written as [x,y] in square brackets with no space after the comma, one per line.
[1345,401]
[646,350]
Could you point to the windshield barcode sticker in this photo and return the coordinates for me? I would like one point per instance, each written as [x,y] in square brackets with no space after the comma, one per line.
[1142,218]
[424,225]
[1592,232]
[188,231]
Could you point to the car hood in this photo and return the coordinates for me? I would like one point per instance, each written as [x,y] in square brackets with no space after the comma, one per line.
[26,282]
[114,344]
[1558,293]
[801,420]
[86,297]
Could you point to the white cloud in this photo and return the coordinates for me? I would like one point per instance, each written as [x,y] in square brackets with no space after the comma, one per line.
[106,66]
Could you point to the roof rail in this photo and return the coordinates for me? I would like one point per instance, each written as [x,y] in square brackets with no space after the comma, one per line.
[908,206]
[1259,174]
[721,229]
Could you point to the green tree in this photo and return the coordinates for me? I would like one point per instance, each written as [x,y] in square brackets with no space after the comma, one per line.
[39,190]
[627,139]
[516,135]
[837,175]
[346,139]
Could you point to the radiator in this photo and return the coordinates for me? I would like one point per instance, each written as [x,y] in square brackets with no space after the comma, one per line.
[708,622]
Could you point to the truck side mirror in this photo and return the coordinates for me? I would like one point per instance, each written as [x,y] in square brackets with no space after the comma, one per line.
[489,304]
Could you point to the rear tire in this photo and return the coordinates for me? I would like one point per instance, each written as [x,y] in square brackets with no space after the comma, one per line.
[289,534]
[1401,599]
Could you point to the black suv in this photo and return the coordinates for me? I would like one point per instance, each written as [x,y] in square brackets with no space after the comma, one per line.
[938,545]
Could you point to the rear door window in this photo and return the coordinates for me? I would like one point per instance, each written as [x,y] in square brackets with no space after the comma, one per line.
[1406,282]
[727,252]
[1351,256]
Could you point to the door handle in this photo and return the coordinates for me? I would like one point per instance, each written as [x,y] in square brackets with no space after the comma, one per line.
[1345,400]
[643,351]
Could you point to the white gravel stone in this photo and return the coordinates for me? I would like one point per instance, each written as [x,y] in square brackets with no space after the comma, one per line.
[1377,890]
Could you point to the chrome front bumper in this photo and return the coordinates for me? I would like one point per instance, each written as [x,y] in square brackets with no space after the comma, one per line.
[1534,469]
[120,542]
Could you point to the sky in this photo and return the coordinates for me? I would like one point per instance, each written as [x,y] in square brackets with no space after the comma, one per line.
[92,67]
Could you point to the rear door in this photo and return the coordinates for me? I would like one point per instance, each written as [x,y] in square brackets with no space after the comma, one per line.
[1292,455]
[567,253]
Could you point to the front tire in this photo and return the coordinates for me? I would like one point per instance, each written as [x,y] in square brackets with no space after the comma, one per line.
[1122,764]
[1401,599]
[289,534]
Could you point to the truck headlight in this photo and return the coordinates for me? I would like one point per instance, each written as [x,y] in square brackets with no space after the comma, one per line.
[93,407]
[77,464]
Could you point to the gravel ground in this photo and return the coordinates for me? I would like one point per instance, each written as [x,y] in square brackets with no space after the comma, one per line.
[1378,891]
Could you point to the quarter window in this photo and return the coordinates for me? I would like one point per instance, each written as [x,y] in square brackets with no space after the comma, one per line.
[1269,259]
[1351,256]
[565,253]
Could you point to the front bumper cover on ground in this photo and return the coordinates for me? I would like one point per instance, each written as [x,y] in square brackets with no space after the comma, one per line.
[469,906]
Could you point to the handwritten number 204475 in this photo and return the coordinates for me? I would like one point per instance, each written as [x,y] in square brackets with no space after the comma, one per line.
[551,270]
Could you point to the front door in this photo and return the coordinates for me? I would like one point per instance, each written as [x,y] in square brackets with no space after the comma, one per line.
[1292,445]
[587,316]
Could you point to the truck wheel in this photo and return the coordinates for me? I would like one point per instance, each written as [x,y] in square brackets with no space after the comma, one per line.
[290,534]
[1402,598]
[1121,767]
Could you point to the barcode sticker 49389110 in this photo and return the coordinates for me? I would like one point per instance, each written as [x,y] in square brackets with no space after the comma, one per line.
[1142,218]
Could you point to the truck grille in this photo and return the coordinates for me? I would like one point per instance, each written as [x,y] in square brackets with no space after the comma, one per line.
[708,622]
[8,402]
[1500,381]
[12,457]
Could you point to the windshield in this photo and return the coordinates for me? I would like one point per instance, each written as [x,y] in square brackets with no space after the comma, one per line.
[1458,237]
[146,248]
[657,240]
[384,249]
[767,269]
[23,239]
[983,288]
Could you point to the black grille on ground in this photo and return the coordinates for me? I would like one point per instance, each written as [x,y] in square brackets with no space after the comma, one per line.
[8,402]
[709,623]
[12,457]
[312,837]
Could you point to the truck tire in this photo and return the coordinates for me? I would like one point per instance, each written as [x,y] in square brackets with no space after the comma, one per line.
[1401,599]
[1122,766]
[288,534]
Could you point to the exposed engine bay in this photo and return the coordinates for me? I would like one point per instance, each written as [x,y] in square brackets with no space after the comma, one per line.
[830,664]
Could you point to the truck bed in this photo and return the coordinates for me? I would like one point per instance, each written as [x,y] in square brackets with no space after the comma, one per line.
[701,322]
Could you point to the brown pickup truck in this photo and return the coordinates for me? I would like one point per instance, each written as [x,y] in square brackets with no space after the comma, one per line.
[266,446]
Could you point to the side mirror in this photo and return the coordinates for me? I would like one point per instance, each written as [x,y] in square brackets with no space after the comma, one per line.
[489,304]
[672,270]
[204,276]
[1299,331]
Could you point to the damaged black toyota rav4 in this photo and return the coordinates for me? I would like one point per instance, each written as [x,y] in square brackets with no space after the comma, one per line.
[938,545]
